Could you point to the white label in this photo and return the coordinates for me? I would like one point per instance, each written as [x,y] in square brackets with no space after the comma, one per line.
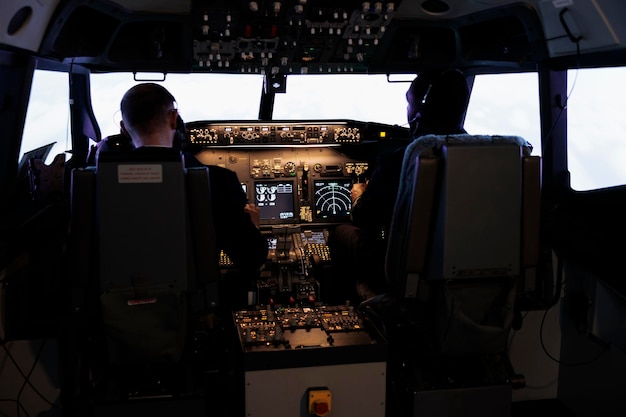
[562,3]
[140,173]
[141,301]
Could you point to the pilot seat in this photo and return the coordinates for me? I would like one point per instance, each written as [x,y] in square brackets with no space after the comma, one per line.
[144,278]
[464,236]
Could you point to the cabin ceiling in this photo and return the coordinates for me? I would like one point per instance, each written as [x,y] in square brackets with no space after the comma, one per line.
[157,6]
[314,36]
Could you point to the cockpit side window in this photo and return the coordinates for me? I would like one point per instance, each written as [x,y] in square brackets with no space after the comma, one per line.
[47,117]
[596,128]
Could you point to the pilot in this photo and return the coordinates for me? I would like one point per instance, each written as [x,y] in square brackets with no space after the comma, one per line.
[120,142]
[150,119]
[436,104]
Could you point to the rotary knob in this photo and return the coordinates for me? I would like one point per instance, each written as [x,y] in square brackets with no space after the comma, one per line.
[290,168]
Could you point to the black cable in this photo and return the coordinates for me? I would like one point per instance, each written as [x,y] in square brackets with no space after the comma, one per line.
[570,34]
[559,282]
[35,390]
[30,372]
[17,404]
[559,361]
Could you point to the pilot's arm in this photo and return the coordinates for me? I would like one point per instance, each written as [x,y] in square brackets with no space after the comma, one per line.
[236,226]
[255,214]
[373,203]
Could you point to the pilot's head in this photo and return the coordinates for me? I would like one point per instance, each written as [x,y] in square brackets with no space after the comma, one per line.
[180,136]
[149,115]
[416,94]
[444,104]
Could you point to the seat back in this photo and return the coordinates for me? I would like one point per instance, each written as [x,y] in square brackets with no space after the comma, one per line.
[143,228]
[459,235]
[153,250]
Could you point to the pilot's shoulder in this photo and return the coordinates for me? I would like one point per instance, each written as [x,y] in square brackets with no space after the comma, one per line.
[221,171]
[223,177]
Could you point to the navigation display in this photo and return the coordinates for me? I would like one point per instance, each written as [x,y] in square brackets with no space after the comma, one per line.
[332,198]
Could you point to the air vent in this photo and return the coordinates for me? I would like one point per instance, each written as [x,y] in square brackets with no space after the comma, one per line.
[435,7]
[19,20]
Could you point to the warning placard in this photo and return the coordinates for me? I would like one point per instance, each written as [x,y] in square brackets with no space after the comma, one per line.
[140,173]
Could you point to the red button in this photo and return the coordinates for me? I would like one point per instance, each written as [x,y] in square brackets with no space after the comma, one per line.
[321,408]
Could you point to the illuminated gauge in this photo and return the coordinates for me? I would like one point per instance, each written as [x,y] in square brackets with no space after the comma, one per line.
[332,198]
[317,167]
[290,168]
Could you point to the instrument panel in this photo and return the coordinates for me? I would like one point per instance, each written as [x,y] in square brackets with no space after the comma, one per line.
[293,185]
[237,133]
[295,172]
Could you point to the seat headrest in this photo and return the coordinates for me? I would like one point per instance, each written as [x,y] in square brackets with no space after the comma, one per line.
[437,142]
[146,154]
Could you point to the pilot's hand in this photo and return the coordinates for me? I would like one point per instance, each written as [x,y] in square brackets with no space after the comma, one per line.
[357,190]
[254,212]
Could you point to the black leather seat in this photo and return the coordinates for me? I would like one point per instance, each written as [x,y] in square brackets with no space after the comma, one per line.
[144,271]
[464,236]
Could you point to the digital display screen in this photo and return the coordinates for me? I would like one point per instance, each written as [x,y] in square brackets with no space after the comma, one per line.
[275,200]
[332,198]
[313,237]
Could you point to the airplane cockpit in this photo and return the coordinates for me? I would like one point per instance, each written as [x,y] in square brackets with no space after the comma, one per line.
[109,258]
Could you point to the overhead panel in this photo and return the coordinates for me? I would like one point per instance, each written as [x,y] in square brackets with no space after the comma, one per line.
[289,37]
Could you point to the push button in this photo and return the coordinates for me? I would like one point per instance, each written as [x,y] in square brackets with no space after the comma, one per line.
[320,401]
